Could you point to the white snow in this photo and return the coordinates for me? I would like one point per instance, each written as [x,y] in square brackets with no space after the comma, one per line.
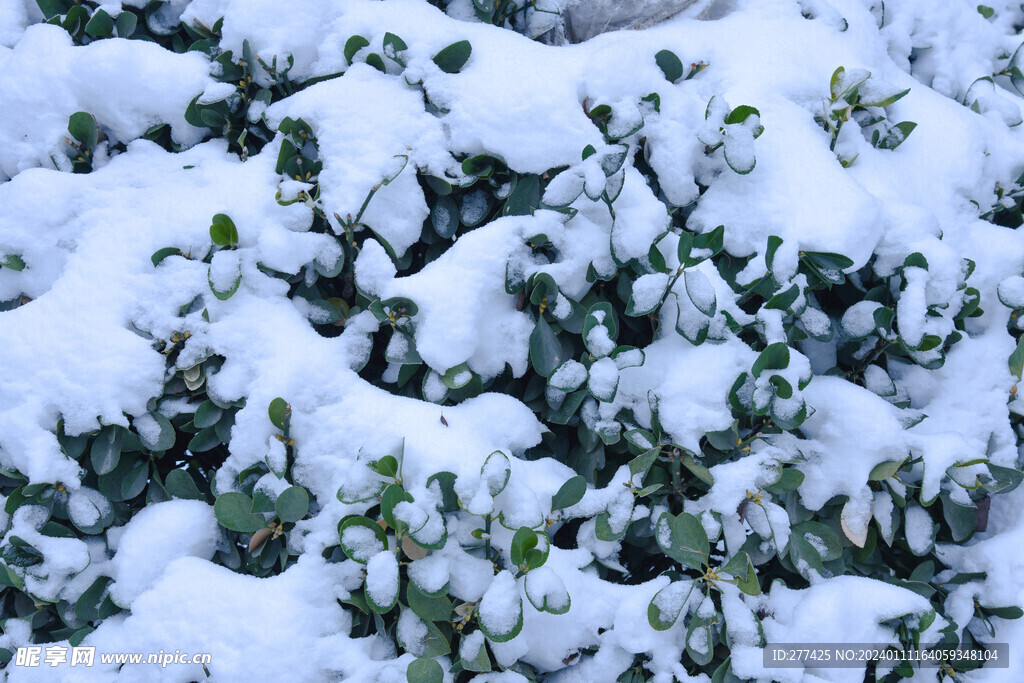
[382,578]
[501,605]
[155,537]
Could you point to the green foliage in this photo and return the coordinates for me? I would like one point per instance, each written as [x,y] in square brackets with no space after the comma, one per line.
[578,338]
[846,102]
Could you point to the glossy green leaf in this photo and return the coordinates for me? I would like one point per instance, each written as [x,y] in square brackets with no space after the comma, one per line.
[106,449]
[670,65]
[422,670]
[82,126]
[234,511]
[683,538]
[452,58]
[354,45]
[292,504]
[223,231]
[570,493]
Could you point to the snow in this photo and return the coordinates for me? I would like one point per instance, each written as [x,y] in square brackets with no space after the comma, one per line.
[569,376]
[155,537]
[604,379]
[128,86]
[648,290]
[1011,291]
[382,578]
[598,340]
[430,573]
[851,431]
[859,319]
[363,542]
[374,269]
[918,524]
[501,605]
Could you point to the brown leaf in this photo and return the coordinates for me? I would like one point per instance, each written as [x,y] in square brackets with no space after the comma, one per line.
[412,549]
[259,537]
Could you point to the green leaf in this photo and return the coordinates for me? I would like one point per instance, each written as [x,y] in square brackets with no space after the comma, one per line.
[525,197]
[225,295]
[783,300]
[706,654]
[885,101]
[570,493]
[775,357]
[392,496]
[207,414]
[478,661]
[12,261]
[387,466]
[82,126]
[895,136]
[377,62]
[160,254]
[422,670]
[1017,359]
[454,57]
[741,568]
[741,113]
[234,511]
[354,45]
[446,482]
[292,504]
[670,65]
[986,12]
[826,536]
[698,470]
[884,470]
[662,618]
[361,555]
[713,240]
[126,23]
[280,413]
[1009,612]
[509,635]
[524,540]
[135,480]
[444,217]
[600,314]
[804,557]
[101,25]
[496,470]
[165,439]
[774,242]
[789,480]
[545,349]
[204,440]
[179,484]
[554,598]
[393,47]
[457,377]
[87,606]
[428,607]
[683,539]
[52,8]
[639,465]
[106,449]
[223,231]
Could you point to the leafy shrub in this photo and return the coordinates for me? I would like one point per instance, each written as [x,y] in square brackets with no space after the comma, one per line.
[702,517]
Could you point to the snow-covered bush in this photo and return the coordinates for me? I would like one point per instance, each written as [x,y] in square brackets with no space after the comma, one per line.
[370,340]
